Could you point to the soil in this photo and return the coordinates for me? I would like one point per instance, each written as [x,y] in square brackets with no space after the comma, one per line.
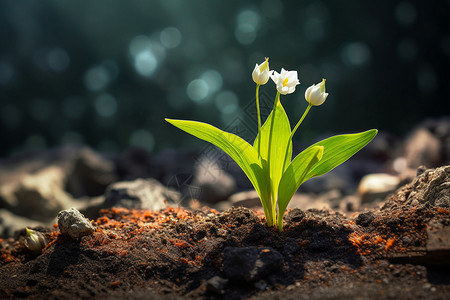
[399,251]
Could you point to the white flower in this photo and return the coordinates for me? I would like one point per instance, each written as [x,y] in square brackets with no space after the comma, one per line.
[315,94]
[261,72]
[286,81]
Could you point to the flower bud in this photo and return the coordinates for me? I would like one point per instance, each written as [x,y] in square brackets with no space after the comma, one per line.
[261,72]
[34,241]
[315,94]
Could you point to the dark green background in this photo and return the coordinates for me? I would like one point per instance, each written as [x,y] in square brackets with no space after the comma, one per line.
[106,73]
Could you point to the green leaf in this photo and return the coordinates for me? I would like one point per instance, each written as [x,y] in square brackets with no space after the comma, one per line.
[338,149]
[294,176]
[272,144]
[238,149]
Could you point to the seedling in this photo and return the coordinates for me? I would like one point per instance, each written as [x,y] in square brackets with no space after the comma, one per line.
[268,162]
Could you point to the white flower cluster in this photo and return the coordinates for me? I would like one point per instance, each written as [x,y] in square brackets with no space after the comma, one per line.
[286,81]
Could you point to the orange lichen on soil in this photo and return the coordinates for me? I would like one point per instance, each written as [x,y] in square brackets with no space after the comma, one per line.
[389,244]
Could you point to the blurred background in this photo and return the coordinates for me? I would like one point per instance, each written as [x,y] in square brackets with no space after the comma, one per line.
[106,73]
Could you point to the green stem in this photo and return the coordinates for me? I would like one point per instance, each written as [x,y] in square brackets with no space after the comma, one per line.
[259,117]
[300,121]
[274,199]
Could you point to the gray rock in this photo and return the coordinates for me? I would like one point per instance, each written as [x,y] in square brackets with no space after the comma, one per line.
[71,222]
[216,284]
[214,182]
[431,188]
[377,186]
[140,194]
[90,173]
[10,223]
[38,196]
[249,199]
[422,148]
[250,263]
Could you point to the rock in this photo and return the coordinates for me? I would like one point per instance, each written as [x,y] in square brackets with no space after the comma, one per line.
[250,263]
[10,223]
[364,219]
[140,194]
[431,187]
[216,284]
[214,183]
[377,186]
[249,199]
[33,185]
[308,201]
[71,222]
[422,148]
[38,196]
[90,174]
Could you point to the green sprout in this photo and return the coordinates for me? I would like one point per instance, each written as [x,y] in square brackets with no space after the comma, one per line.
[268,162]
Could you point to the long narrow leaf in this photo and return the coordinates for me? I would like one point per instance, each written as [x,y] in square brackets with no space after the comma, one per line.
[238,149]
[338,149]
[294,176]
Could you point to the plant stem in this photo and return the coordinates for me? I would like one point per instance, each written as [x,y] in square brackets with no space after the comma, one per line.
[273,196]
[300,121]
[259,117]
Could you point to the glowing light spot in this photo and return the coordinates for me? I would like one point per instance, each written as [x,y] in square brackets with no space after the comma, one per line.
[356,54]
[227,102]
[248,22]
[96,78]
[197,90]
[213,79]
[58,59]
[106,105]
[145,63]
[170,37]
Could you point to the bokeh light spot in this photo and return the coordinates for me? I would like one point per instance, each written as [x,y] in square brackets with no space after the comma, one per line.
[227,102]
[197,90]
[213,79]
[106,105]
[96,78]
[356,54]
[170,37]
[145,63]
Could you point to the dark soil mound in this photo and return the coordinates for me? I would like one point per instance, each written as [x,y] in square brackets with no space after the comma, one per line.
[400,251]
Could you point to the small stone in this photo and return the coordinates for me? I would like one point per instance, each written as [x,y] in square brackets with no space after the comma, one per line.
[364,219]
[216,284]
[377,186]
[140,194]
[71,222]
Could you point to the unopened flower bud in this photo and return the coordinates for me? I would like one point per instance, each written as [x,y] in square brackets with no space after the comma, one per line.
[34,241]
[315,94]
[261,73]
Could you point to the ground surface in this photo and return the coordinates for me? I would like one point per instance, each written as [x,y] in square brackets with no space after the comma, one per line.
[400,251]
